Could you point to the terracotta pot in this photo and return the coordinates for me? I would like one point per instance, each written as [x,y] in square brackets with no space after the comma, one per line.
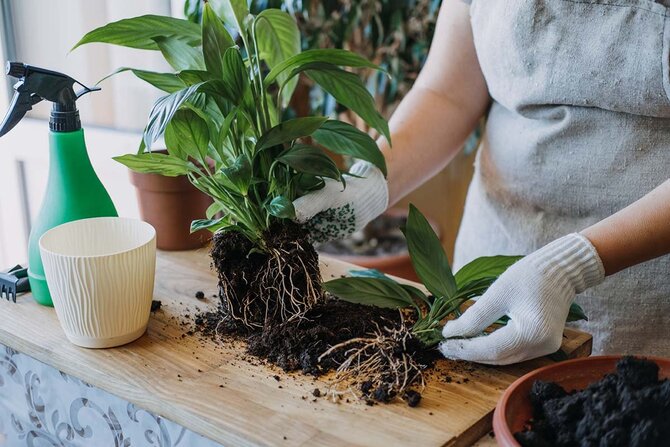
[170,204]
[514,409]
[397,264]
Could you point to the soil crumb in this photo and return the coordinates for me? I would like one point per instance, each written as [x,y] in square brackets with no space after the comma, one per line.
[200,295]
[630,407]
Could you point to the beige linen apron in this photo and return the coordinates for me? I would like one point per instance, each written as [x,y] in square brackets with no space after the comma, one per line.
[579,128]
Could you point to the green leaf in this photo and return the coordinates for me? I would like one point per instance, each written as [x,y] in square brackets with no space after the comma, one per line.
[235,76]
[348,89]
[139,32]
[374,273]
[310,160]
[332,56]
[289,130]
[213,210]
[370,291]
[486,266]
[187,133]
[168,82]
[307,183]
[278,39]
[180,55]
[233,12]
[345,139]
[163,111]
[239,174]
[428,257]
[576,313]
[209,224]
[155,163]
[281,207]
[215,41]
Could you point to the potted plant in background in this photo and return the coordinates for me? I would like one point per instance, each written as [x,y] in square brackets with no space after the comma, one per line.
[224,128]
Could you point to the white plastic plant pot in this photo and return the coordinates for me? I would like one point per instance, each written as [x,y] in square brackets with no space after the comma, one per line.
[100,274]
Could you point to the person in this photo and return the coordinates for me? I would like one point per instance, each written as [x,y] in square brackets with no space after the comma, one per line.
[572,169]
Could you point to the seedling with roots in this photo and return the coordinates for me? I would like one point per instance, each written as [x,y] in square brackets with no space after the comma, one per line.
[225,126]
[388,362]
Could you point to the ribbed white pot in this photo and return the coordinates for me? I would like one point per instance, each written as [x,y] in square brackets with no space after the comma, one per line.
[100,274]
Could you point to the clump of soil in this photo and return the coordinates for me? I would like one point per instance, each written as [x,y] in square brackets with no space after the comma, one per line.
[297,346]
[382,236]
[259,288]
[327,336]
[628,408]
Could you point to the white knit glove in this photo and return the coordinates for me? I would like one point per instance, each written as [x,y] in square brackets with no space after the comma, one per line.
[334,212]
[536,294]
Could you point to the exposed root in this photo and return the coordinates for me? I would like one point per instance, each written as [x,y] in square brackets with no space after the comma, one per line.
[380,367]
[259,288]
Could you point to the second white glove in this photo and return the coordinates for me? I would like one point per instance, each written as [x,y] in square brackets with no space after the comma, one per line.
[334,212]
[536,294]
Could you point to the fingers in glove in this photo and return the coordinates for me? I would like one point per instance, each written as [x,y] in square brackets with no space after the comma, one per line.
[501,347]
[478,317]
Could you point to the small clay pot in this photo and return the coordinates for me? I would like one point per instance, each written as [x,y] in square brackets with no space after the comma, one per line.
[170,204]
[397,264]
[514,409]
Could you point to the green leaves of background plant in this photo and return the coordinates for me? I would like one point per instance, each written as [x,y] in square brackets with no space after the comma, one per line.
[428,257]
[155,163]
[370,291]
[215,41]
[278,39]
[139,32]
[344,139]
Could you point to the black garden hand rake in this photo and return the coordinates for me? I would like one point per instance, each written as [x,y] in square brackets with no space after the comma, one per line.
[13,281]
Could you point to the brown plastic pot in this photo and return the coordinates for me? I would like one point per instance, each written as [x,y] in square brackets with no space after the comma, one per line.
[514,409]
[170,204]
[397,264]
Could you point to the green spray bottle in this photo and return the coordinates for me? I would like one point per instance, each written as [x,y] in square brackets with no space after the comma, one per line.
[73,189]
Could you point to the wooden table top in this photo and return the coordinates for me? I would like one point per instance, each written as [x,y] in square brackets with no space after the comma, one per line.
[216,390]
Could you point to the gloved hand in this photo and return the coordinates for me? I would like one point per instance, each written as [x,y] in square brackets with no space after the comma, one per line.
[536,294]
[334,212]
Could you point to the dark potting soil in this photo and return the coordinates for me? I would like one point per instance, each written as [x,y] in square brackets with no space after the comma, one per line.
[382,236]
[261,288]
[630,407]
[298,345]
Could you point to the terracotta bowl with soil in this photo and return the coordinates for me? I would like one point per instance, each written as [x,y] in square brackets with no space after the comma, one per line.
[514,409]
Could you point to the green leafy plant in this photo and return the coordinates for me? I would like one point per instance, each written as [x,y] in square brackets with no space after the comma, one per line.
[448,291]
[388,359]
[222,120]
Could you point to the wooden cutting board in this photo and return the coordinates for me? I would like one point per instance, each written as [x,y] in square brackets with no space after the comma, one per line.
[217,391]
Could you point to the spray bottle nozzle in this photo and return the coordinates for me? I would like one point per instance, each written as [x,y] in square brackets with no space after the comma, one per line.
[15,69]
[36,84]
